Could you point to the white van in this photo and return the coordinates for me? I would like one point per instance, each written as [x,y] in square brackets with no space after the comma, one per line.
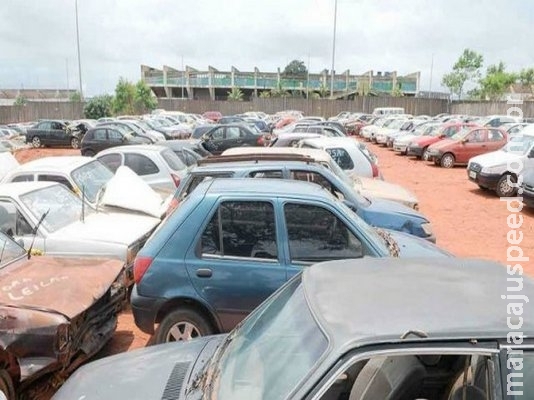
[490,170]
[383,111]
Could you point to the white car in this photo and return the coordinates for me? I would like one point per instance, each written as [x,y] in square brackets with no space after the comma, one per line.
[50,218]
[157,165]
[402,141]
[347,153]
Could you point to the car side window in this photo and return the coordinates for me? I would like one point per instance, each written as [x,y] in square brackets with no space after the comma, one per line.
[140,164]
[55,178]
[520,371]
[341,157]
[241,229]
[495,136]
[476,136]
[276,174]
[315,234]
[232,132]
[100,135]
[217,134]
[114,135]
[45,125]
[12,222]
[112,161]
[23,178]
[57,126]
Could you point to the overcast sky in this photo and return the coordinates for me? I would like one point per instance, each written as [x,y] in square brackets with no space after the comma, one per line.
[38,37]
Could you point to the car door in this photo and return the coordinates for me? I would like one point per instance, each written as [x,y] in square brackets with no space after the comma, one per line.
[233,137]
[517,374]
[214,140]
[235,264]
[495,139]
[475,143]
[57,134]
[114,138]
[99,140]
[42,132]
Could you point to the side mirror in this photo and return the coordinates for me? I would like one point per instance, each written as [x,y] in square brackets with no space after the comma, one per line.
[465,140]
[531,154]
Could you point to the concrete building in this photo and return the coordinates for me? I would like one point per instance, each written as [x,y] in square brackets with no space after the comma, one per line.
[9,96]
[212,84]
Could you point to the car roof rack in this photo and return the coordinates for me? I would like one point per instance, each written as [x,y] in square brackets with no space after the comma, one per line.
[256,157]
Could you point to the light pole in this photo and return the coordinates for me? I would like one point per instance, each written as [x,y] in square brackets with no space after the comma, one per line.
[333,51]
[78,46]
[431,71]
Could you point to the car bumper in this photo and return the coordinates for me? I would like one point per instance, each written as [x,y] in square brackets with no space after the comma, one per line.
[486,180]
[381,139]
[400,147]
[144,310]
[415,151]
[528,198]
[434,155]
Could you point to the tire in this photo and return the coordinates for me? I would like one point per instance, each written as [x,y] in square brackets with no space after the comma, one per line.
[425,156]
[503,189]
[6,385]
[75,143]
[36,142]
[88,153]
[483,188]
[447,160]
[182,324]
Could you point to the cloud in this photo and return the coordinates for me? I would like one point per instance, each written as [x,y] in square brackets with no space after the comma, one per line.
[38,38]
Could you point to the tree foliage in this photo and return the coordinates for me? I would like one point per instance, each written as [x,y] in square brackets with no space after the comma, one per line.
[99,107]
[296,68]
[144,100]
[124,100]
[526,78]
[466,69]
[279,91]
[496,81]
[236,94]
[75,96]
[21,100]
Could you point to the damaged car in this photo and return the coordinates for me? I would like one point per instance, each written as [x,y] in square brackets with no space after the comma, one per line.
[42,332]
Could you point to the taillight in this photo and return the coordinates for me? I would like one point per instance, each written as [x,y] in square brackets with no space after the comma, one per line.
[141,265]
[176,180]
[260,141]
[173,205]
[374,168]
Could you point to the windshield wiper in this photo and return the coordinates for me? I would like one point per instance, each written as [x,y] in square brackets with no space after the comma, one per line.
[34,233]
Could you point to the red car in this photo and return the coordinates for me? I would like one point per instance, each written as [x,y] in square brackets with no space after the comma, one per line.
[418,147]
[212,115]
[467,143]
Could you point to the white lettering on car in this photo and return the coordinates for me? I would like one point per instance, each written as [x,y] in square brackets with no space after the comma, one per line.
[19,289]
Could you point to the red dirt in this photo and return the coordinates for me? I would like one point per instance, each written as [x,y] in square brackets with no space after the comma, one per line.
[467,221]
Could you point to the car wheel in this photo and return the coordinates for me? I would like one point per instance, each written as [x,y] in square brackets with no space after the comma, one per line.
[425,156]
[447,160]
[483,187]
[182,324]
[75,143]
[504,189]
[88,153]
[36,142]
[6,385]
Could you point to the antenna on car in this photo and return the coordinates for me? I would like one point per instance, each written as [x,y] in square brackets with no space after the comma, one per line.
[34,233]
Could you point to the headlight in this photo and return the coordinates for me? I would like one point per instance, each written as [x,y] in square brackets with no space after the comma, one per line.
[414,145]
[496,169]
[427,228]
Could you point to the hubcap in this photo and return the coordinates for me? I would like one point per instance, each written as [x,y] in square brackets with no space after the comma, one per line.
[36,142]
[74,143]
[182,331]
[425,155]
[447,161]
[505,188]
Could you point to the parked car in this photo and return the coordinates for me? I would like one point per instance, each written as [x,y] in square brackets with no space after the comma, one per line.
[291,139]
[231,119]
[496,121]
[169,130]
[212,115]
[222,137]
[156,165]
[318,338]
[528,187]
[188,150]
[491,170]
[347,153]
[101,138]
[466,144]
[418,145]
[199,131]
[135,130]
[53,133]
[375,211]
[402,140]
[56,222]
[43,332]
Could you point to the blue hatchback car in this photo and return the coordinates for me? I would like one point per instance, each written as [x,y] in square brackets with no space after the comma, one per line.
[233,242]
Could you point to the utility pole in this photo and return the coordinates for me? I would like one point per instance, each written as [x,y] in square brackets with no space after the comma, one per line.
[67,66]
[183,76]
[78,46]
[431,71]
[333,51]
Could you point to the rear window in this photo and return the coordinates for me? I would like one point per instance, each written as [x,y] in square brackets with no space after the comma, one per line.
[172,160]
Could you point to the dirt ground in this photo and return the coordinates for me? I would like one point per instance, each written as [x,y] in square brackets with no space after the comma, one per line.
[468,221]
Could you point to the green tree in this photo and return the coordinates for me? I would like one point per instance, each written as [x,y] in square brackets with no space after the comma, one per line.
[265,94]
[466,69]
[324,91]
[526,78]
[279,91]
[144,100]
[235,94]
[496,81]
[124,101]
[21,100]
[75,96]
[99,107]
[296,68]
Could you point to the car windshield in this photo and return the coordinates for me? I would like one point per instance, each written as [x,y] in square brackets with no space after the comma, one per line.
[90,178]
[519,144]
[430,129]
[164,122]
[172,160]
[143,125]
[281,335]
[152,123]
[63,207]
[461,133]
[9,250]
[396,124]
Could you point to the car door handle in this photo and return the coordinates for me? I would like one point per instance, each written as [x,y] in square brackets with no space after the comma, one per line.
[204,273]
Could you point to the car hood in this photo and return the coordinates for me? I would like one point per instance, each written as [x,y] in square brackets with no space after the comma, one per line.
[381,206]
[413,246]
[68,286]
[128,191]
[109,227]
[155,372]
[495,158]
[405,139]
[384,190]
[426,140]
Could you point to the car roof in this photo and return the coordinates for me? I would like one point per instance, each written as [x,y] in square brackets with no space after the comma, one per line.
[332,141]
[15,189]
[58,163]
[264,188]
[233,166]
[372,300]
[135,147]
[316,154]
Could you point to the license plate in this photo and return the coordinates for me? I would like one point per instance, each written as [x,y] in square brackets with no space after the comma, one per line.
[472,174]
